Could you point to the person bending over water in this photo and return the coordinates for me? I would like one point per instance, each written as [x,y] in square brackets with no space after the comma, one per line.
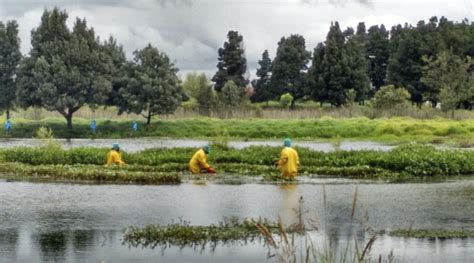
[198,163]
[114,157]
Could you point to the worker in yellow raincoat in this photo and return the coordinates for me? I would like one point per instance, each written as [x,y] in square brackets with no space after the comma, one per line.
[289,161]
[198,163]
[114,157]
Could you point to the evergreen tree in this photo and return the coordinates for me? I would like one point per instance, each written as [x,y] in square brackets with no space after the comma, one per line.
[315,75]
[449,80]
[378,54]
[331,76]
[358,80]
[66,69]
[232,64]
[289,67]
[9,60]
[118,76]
[406,61]
[152,85]
[262,84]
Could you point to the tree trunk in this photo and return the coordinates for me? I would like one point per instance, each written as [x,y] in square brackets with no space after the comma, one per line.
[69,120]
[8,114]
[148,118]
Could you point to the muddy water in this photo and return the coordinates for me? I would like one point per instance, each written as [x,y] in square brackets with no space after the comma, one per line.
[45,222]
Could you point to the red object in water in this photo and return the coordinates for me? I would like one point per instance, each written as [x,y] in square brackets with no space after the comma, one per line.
[211,170]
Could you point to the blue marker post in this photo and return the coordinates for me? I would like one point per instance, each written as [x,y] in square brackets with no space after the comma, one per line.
[134,126]
[8,126]
[93,126]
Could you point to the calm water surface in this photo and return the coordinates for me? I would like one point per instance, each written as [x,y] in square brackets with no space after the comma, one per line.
[48,222]
[134,145]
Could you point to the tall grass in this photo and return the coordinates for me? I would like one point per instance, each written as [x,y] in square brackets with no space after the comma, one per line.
[272,110]
[286,249]
[389,130]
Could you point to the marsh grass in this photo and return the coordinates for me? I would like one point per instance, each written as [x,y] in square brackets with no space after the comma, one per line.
[411,160]
[270,110]
[286,250]
[323,129]
[182,234]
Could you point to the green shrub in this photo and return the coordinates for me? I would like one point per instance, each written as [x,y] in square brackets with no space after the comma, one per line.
[285,100]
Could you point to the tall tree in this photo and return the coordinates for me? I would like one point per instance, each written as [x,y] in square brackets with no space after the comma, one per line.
[378,54]
[66,69]
[262,84]
[117,76]
[152,87]
[316,80]
[232,64]
[449,80]
[331,70]
[410,45]
[9,60]
[358,80]
[289,67]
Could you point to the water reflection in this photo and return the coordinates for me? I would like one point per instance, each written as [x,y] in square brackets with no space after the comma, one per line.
[52,245]
[134,145]
[9,242]
[84,223]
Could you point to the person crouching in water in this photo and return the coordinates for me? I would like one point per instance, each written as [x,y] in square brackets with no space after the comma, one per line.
[289,161]
[198,163]
[114,157]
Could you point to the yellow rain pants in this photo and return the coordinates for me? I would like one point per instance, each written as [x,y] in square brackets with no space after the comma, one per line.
[198,162]
[289,162]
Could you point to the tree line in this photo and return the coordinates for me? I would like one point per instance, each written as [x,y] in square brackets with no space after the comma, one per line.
[67,69]
[429,61]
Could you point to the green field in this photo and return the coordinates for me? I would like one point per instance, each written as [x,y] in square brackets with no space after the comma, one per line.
[397,129]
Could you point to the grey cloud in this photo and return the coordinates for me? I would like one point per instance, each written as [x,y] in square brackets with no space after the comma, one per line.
[191,31]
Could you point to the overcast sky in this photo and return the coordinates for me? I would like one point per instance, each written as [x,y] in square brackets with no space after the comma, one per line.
[191,31]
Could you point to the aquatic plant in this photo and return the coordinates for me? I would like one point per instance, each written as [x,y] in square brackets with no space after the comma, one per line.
[433,233]
[411,159]
[182,233]
[87,173]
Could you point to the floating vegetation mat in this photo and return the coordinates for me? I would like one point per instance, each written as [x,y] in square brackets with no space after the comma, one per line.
[433,233]
[182,234]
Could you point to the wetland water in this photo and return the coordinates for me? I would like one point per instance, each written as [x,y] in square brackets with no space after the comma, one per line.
[53,222]
[134,145]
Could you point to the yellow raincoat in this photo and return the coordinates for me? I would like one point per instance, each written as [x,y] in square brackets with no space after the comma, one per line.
[289,162]
[198,162]
[115,157]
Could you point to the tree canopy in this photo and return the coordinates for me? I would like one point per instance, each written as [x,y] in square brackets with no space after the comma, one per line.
[65,69]
[152,86]
[232,64]
[9,60]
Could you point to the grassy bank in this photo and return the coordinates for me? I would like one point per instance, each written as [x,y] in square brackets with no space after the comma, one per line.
[167,165]
[389,130]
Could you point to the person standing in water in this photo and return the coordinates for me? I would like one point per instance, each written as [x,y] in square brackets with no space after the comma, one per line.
[114,157]
[289,161]
[198,163]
